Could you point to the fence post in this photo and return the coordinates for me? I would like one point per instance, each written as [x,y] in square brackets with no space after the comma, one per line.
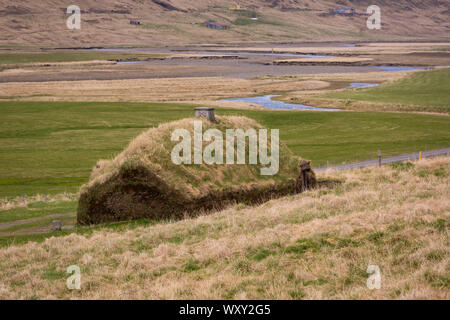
[23,199]
[379,157]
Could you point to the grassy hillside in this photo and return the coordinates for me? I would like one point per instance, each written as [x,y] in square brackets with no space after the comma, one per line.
[317,245]
[180,21]
[51,147]
[423,91]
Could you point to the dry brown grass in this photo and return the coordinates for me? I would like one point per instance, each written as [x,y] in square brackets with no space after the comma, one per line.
[205,91]
[61,64]
[349,105]
[334,59]
[28,23]
[423,45]
[369,48]
[202,56]
[356,76]
[325,61]
[11,203]
[316,245]
[141,90]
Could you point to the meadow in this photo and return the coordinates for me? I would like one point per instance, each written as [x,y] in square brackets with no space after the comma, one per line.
[315,245]
[19,58]
[422,91]
[64,108]
[51,147]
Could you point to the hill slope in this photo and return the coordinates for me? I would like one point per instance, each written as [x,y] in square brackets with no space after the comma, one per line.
[317,245]
[43,23]
[422,91]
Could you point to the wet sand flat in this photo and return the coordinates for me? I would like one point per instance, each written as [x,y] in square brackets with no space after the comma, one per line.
[236,62]
[173,68]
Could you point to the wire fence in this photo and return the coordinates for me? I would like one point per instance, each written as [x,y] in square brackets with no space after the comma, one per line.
[368,155]
[380,160]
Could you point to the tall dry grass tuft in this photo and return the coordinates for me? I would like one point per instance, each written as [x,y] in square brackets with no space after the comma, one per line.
[316,245]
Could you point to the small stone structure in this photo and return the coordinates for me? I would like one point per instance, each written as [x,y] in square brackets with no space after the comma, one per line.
[216,25]
[205,112]
[56,225]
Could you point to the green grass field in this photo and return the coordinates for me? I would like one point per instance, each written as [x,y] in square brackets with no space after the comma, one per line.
[13,58]
[51,147]
[38,209]
[32,231]
[427,90]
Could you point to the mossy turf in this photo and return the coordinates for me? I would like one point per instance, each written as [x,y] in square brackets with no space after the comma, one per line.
[144,182]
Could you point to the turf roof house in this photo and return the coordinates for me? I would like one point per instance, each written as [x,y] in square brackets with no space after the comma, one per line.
[216,25]
[144,182]
[348,11]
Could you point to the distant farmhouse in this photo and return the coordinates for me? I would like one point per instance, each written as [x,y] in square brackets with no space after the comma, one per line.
[216,25]
[346,11]
[343,12]
[237,7]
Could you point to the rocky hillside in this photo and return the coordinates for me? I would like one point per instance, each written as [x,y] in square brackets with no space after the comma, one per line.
[43,23]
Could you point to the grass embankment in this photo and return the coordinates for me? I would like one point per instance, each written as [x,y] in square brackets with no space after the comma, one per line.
[51,147]
[422,91]
[318,245]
